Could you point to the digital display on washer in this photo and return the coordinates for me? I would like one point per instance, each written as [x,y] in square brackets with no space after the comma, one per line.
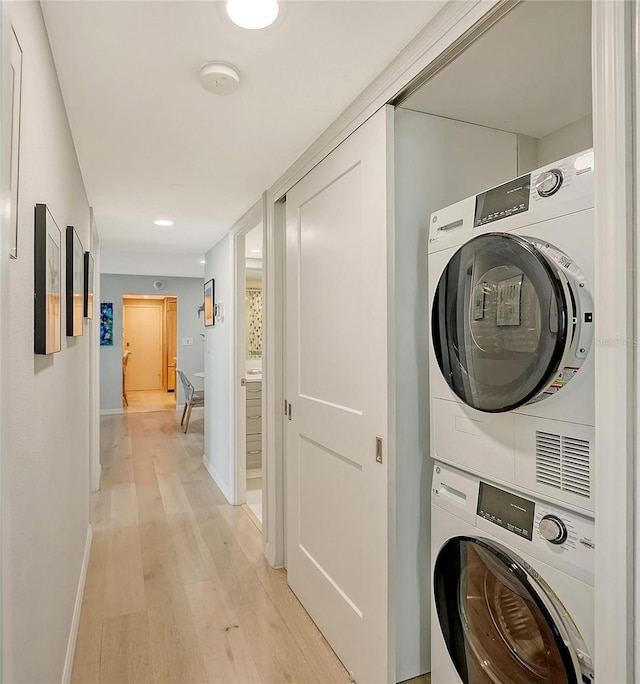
[506,510]
[505,200]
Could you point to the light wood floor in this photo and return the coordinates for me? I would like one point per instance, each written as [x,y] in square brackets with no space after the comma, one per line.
[177,588]
[150,400]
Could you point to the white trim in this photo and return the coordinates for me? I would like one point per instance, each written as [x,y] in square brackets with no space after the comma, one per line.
[635,74]
[111,412]
[75,621]
[614,321]
[94,360]
[216,478]
[444,29]
[273,514]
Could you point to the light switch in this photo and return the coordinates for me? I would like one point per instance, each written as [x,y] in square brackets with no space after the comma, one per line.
[187,341]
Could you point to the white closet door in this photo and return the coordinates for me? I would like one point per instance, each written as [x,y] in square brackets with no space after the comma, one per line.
[337,492]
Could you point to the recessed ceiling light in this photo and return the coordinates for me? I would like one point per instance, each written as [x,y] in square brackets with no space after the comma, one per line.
[255,251]
[252,14]
[163,222]
[202,261]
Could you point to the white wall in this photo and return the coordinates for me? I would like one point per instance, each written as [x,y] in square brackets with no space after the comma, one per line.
[190,294]
[46,485]
[218,365]
[438,162]
[148,262]
[570,139]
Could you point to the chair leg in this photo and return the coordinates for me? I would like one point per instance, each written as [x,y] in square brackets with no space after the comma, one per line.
[183,413]
[186,426]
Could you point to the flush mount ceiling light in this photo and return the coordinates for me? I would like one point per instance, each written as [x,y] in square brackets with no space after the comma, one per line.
[163,222]
[219,78]
[252,14]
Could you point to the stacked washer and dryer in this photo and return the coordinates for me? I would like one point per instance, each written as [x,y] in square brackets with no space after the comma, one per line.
[512,415]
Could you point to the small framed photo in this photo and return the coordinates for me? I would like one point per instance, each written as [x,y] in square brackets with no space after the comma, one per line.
[209,291]
[75,283]
[88,285]
[106,324]
[47,283]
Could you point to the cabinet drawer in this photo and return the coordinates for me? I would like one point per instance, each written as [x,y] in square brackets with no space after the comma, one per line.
[254,452]
[254,420]
[254,390]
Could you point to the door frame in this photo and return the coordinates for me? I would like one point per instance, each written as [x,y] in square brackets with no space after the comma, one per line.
[248,222]
[616,217]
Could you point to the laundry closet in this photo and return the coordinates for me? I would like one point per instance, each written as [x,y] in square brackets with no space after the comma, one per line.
[513,99]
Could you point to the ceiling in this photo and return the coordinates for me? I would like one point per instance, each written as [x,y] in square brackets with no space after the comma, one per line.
[535,62]
[152,143]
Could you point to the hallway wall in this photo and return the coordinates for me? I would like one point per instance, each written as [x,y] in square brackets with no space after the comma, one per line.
[190,294]
[219,415]
[45,476]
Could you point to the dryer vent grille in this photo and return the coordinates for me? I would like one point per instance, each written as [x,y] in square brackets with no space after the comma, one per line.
[563,463]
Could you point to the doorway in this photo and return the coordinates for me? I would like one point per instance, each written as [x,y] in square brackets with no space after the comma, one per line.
[248,354]
[149,343]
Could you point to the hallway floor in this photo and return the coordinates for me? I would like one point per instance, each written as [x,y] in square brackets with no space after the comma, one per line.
[150,400]
[177,587]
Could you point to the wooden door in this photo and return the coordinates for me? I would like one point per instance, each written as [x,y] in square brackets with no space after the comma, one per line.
[336,380]
[143,338]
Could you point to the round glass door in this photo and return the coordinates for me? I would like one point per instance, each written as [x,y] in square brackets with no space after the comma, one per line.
[499,322]
[495,625]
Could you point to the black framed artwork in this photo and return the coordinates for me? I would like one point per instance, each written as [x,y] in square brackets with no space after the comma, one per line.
[47,282]
[209,291]
[75,283]
[88,285]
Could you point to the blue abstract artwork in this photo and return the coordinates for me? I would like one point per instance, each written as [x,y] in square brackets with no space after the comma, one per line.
[106,324]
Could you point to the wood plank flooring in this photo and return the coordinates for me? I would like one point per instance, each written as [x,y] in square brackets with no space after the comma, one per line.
[177,589]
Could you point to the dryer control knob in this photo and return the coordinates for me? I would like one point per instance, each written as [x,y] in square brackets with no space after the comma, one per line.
[549,182]
[553,529]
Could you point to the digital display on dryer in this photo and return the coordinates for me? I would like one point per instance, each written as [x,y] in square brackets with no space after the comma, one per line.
[505,200]
[506,510]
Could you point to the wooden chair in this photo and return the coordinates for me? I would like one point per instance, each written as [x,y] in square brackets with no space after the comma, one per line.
[192,397]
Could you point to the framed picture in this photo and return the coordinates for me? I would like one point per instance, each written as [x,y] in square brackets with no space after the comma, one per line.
[15,104]
[75,283]
[106,324]
[47,283]
[88,285]
[209,290]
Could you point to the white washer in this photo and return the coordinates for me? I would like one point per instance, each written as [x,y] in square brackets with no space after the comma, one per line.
[513,582]
[510,276]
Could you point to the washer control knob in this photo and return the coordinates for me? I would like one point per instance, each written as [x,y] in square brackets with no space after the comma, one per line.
[553,529]
[549,182]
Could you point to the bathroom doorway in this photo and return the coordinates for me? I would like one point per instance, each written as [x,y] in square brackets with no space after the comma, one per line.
[248,340]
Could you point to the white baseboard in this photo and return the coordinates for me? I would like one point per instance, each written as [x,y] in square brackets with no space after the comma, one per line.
[222,485]
[111,412]
[75,622]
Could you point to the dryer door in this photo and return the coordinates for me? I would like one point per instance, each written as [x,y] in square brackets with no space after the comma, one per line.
[499,622]
[501,321]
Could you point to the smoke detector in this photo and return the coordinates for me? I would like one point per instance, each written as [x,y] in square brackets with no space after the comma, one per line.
[219,78]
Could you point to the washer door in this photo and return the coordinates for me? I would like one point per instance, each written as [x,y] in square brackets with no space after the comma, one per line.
[498,622]
[501,321]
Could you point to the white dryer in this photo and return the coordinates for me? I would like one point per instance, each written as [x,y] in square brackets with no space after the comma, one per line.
[511,373]
[513,582]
